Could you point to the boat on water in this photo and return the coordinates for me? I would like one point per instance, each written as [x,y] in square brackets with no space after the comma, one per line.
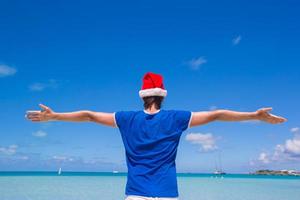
[219,172]
[59,171]
[218,166]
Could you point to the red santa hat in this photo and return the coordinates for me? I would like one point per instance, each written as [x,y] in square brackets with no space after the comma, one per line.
[152,86]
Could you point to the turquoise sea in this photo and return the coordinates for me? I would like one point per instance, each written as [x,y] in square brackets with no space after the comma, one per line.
[109,186]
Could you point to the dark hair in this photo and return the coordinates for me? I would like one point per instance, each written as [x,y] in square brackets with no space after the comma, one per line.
[156,100]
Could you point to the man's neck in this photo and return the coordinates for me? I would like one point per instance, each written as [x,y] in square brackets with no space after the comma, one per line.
[151,109]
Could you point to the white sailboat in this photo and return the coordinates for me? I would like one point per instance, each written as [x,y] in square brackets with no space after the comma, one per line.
[59,171]
[219,170]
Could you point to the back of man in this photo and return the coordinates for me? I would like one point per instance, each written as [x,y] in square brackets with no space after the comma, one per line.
[151,136]
[150,141]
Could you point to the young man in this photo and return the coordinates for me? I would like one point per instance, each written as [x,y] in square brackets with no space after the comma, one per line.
[151,136]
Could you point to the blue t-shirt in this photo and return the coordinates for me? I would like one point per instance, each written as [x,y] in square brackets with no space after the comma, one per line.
[150,142]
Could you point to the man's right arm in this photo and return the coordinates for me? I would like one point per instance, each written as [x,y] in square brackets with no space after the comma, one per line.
[47,114]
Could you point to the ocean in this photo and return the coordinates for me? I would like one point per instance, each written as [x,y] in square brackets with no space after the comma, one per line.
[110,186]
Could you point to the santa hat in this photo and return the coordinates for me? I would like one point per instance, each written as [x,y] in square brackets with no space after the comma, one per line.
[152,86]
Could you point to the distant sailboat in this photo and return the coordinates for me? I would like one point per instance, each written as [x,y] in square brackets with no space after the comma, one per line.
[59,171]
[219,170]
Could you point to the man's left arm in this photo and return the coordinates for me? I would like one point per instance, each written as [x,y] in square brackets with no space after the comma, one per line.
[204,117]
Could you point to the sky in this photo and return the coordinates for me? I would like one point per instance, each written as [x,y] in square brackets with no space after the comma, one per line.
[91,55]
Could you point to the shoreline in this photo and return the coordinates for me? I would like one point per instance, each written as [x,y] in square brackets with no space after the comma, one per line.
[103,174]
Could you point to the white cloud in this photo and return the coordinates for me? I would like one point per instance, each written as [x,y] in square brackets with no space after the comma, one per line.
[252,163]
[264,158]
[253,121]
[213,108]
[90,161]
[195,63]
[73,159]
[59,158]
[40,86]
[10,150]
[39,134]
[295,129]
[37,87]
[236,40]
[289,151]
[98,161]
[63,158]
[23,157]
[6,70]
[207,141]
[292,146]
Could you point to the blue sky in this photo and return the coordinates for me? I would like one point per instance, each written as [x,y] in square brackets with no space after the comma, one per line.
[238,55]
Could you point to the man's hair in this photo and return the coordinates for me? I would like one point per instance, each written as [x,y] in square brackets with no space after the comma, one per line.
[156,100]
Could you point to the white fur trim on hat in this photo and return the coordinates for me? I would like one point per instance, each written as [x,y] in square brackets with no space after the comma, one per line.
[153,92]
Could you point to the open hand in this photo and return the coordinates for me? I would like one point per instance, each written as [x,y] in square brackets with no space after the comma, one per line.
[43,115]
[264,115]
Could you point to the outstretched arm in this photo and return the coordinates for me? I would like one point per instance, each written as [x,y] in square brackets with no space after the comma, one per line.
[262,114]
[47,114]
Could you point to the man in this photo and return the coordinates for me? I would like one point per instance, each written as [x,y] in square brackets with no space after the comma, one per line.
[151,136]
